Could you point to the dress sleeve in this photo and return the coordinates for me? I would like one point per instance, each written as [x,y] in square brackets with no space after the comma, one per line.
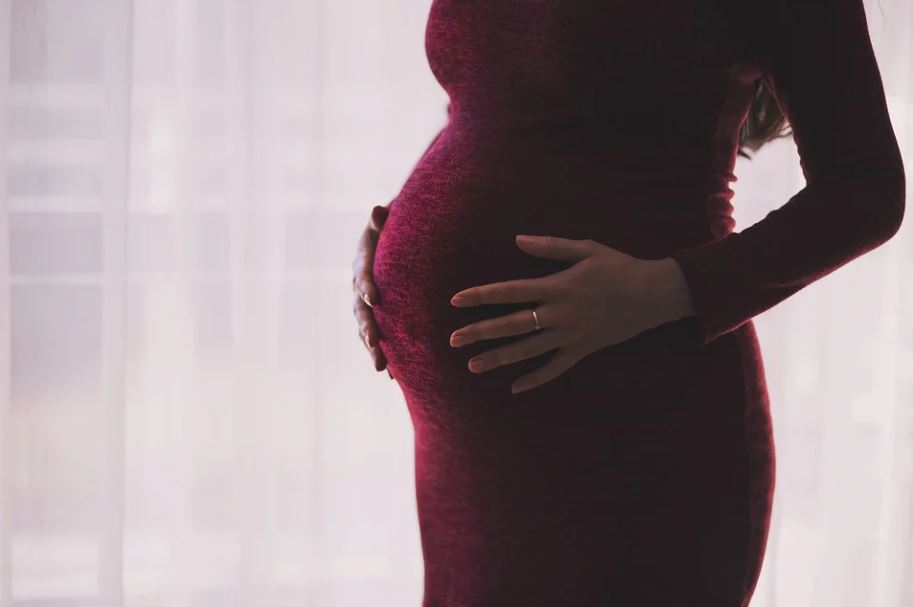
[817,59]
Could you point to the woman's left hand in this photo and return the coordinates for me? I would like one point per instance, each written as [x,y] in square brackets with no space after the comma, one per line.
[604,298]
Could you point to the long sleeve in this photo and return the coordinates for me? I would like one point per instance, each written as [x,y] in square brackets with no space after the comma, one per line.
[817,58]
[425,153]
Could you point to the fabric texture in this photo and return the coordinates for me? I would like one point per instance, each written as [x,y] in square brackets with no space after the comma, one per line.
[645,474]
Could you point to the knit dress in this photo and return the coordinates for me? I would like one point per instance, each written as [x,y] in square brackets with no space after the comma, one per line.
[643,475]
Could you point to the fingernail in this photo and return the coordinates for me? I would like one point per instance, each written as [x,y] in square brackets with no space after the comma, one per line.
[390,374]
[367,299]
[456,340]
[368,341]
[524,239]
[476,365]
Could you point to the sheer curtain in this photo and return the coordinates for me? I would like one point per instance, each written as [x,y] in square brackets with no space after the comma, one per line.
[187,416]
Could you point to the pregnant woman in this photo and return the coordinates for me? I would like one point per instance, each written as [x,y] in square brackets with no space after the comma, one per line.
[592,424]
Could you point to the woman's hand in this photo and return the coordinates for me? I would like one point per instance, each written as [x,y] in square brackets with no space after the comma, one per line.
[363,286]
[604,298]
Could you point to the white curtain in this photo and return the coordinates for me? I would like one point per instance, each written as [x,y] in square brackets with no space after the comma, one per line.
[187,415]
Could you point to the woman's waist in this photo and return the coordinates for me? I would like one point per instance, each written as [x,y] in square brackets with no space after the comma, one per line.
[482,218]
[466,178]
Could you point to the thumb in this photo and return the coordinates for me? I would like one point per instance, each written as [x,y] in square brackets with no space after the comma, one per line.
[554,247]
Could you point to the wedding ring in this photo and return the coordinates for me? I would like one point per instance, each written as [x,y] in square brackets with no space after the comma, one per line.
[535,319]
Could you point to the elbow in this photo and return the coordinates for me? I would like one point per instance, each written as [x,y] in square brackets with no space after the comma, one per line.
[893,203]
[885,202]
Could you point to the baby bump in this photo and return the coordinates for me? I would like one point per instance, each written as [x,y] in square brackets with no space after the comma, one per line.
[425,254]
[453,226]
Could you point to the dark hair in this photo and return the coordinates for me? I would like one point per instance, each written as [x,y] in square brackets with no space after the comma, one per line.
[765,121]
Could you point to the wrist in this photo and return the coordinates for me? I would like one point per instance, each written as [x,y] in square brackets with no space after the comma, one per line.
[670,297]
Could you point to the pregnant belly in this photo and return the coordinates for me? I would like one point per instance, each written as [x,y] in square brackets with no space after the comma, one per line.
[453,227]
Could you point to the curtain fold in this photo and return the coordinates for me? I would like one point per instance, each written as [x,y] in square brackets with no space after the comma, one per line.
[187,414]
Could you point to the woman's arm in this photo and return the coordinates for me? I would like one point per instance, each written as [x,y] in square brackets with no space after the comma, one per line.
[817,58]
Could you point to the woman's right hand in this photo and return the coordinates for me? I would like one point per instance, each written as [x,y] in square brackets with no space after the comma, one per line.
[365,294]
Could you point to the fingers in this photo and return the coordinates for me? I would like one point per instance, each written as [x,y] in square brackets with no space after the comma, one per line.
[558,364]
[363,281]
[554,247]
[536,344]
[515,323]
[366,295]
[363,286]
[510,291]
[368,332]
[362,278]
[528,289]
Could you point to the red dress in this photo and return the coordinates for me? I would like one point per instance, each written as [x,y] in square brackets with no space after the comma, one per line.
[644,475]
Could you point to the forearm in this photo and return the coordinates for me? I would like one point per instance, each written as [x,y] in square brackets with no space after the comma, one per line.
[825,78]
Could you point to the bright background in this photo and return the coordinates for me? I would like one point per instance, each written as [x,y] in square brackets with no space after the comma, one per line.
[187,415]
